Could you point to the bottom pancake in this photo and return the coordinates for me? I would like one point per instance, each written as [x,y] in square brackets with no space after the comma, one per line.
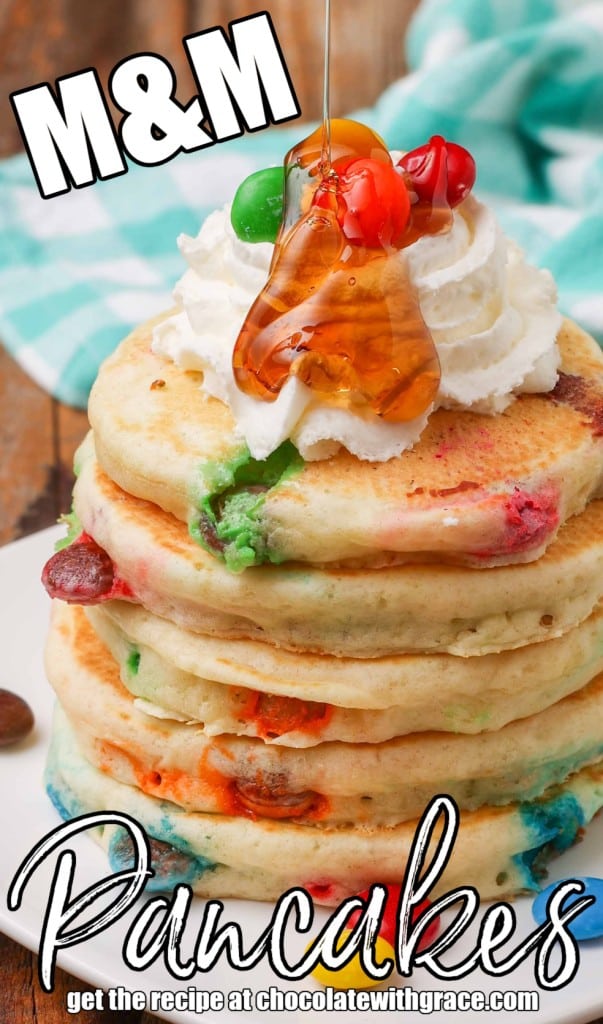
[235,857]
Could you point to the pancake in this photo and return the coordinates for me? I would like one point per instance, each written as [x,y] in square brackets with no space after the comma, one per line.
[251,688]
[236,857]
[348,612]
[333,783]
[476,490]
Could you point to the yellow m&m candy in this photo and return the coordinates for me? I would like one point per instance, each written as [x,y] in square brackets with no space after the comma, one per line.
[353,975]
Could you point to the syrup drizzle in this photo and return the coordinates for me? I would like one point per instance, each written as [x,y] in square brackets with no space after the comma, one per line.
[339,310]
[325,160]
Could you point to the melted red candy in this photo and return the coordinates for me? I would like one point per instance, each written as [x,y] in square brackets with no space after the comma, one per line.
[440,173]
[83,573]
[388,927]
[120,591]
[530,519]
[322,892]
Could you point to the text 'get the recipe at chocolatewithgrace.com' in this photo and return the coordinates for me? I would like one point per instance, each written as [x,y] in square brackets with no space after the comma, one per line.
[275,1000]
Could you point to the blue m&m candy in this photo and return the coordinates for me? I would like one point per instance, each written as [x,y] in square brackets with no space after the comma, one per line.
[588,924]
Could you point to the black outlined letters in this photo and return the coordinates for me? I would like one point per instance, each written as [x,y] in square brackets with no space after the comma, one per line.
[244,85]
[69,138]
[159,925]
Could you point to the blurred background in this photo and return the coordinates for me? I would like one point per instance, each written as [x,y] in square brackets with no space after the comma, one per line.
[45,39]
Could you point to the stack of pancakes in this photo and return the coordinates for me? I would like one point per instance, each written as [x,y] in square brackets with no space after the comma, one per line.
[432,624]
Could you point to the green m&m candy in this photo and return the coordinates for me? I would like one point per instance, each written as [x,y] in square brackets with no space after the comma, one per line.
[257,207]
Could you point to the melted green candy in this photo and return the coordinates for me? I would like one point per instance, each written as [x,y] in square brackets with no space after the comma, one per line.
[74,528]
[257,207]
[231,523]
[133,660]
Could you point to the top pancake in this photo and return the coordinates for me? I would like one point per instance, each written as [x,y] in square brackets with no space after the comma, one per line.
[475,490]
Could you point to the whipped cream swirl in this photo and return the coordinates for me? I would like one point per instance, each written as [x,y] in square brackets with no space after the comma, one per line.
[492,316]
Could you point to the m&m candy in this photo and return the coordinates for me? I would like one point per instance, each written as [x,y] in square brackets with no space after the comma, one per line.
[353,975]
[588,924]
[439,172]
[257,207]
[389,919]
[16,718]
[82,573]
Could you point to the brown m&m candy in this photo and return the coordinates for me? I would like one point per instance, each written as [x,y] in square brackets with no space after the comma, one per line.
[16,718]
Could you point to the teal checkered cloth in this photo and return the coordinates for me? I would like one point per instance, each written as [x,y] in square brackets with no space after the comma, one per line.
[518,82]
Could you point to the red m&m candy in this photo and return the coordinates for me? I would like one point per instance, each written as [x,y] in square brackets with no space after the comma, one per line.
[82,573]
[387,929]
[439,172]
[370,199]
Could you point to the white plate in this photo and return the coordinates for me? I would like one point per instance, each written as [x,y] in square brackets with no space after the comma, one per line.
[28,816]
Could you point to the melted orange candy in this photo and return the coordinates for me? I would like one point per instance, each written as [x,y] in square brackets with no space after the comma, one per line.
[275,715]
[340,314]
